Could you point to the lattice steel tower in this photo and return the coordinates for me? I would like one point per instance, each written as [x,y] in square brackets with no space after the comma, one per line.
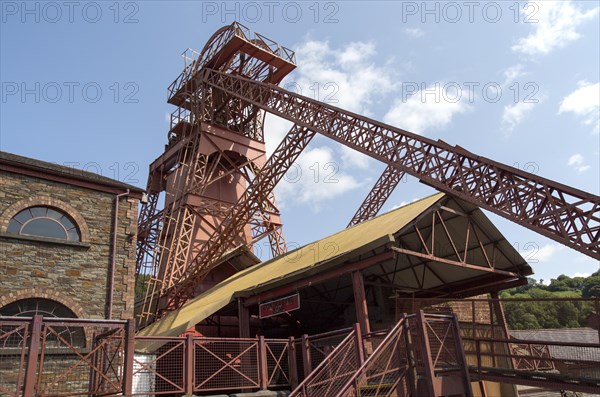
[215,148]
[218,185]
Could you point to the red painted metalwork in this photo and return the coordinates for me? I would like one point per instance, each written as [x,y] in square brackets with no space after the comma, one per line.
[277,361]
[227,88]
[388,371]
[333,372]
[13,343]
[314,349]
[215,149]
[532,357]
[576,373]
[565,214]
[381,191]
[103,361]
[164,369]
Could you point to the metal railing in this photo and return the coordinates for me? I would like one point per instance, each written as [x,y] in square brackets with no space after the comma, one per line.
[331,374]
[313,349]
[194,61]
[13,358]
[572,366]
[63,357]
[68,357]
[386,369]
[60,357]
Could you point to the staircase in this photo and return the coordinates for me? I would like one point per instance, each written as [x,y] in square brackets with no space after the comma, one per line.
[420,356]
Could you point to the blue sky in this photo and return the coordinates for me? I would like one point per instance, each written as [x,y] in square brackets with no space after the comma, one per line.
[85,84]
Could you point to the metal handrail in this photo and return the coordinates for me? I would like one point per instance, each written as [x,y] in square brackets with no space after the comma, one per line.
[373,357]
[302,386]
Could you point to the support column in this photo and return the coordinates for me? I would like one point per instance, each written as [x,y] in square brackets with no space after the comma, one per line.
[32,356]
[362,311]
[129,357]
[243,319]
[428,378]
[360,301]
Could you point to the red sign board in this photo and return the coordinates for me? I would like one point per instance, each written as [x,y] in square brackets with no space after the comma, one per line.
[279,306]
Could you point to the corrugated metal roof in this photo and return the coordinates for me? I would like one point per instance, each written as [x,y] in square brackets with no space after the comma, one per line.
[564,335]
[303,259]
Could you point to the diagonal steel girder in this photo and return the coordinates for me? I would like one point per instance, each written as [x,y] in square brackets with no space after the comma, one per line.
[249,203]
[567,215]
[381,191]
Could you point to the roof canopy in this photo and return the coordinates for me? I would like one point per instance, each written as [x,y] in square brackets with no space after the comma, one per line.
[438,244]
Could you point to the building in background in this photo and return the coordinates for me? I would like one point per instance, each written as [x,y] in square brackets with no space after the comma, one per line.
[67,241]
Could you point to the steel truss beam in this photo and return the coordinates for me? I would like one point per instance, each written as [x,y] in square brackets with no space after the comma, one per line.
[248,205]
[567,215]
[381,191]
[166,240]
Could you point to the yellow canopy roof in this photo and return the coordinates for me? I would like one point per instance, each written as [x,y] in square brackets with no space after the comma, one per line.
[299,260]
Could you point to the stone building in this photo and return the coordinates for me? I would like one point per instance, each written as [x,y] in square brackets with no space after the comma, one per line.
[63,252]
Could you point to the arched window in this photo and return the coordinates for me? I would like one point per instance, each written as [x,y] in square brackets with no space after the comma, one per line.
[75,336]
[44,222]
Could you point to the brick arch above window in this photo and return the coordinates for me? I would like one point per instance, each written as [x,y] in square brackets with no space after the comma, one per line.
[39,293]
[45,201]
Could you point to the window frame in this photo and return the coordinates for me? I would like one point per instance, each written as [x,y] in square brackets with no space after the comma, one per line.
[32,218]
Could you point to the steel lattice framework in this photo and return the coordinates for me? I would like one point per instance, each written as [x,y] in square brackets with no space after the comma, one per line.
[381,191]
[224,88]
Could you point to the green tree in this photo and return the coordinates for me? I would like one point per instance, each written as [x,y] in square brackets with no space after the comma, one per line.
[140,285]
[591,286]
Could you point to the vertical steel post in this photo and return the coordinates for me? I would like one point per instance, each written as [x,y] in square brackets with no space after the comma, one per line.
[493,335]
[473,331]
[460,353]
[129,355]
[425,350]
[362,310]
[478,353]
[360,301]
[263,374]
[189,365]
[482,389]
[306,363]
[502,319]
[598,317]
[32,356]
[410,355]
[360,350]
[292,363]
[243,320]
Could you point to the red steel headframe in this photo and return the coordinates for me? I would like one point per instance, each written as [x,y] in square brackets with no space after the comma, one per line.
[567,215]
[232,95]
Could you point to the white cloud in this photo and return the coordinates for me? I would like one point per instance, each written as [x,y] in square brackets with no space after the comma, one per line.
[541,255]
[555,27]
[315,177]
[513,115]
[402,204]
[425,110]
[275,130]
[581,275]
[585,103]
[354,159]
[415,33]
[577,162]
[512,73]
[348,77]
